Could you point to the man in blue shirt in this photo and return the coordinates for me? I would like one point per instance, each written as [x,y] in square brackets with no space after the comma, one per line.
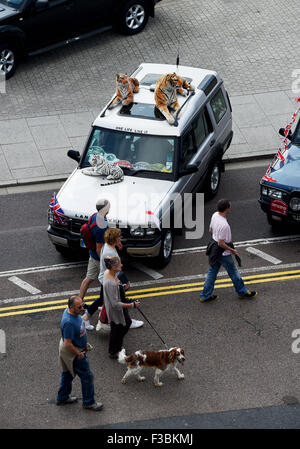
[97,232]
[73,359]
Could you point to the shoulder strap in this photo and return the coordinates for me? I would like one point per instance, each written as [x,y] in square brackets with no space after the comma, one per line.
[91,217]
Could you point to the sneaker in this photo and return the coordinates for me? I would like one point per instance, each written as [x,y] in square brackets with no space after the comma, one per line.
[211,298]
[96,407]
[248,295]
[136,323]
[102,327]
[70,400]
[88,325]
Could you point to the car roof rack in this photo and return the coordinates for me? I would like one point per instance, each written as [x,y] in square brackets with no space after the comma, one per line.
[208,83]
[190,95]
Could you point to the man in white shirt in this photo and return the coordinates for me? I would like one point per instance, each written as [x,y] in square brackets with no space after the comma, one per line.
[221,234]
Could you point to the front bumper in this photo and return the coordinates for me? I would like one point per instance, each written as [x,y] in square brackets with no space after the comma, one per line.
[290,217]
[132,247]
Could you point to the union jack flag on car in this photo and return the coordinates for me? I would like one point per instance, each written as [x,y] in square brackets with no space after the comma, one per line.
[58,214]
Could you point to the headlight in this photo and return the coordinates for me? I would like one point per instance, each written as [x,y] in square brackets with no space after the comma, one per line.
[50,216]
[150,231]
[137,232]
[264,190]
[273,193]
[295,204]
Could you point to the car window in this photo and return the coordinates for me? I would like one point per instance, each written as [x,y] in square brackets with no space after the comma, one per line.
[133,151]
[296,136]
[13,3]
[218,105]
[202,127]
[188,147]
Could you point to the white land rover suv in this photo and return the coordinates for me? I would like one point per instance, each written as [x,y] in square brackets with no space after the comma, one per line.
[159,161]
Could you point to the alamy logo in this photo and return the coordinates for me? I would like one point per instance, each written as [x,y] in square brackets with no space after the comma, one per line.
[296,343]
[2,83]
[2,343]
[296,82]
[148,210]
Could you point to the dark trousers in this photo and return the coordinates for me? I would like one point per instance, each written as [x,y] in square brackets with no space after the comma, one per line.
[97,303]
[82,369]
[117,334]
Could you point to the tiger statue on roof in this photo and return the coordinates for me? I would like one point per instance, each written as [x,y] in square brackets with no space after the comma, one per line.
[165,94]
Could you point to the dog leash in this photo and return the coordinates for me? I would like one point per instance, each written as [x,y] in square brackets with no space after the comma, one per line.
[152,327]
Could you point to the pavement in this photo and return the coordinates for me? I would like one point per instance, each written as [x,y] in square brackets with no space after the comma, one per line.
[51,102]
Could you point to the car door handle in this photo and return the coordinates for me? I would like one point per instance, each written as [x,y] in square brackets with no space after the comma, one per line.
[212,142]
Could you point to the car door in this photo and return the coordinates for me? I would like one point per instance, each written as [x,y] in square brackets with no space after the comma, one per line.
[48,22]
[94,14]
[221,114]
[196,148]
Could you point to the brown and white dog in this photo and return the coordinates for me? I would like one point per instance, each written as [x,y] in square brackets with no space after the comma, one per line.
[161,361]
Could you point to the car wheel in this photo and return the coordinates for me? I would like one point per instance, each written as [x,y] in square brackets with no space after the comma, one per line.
[165,254]
[213,180]
[8,60]
[63,250]
[275,224]
[134,17]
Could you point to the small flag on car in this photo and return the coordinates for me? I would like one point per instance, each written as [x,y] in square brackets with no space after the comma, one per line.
[58,214]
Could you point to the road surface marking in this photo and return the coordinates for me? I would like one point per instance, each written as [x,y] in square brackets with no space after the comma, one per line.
[29,288]
[266,241]
[176,252]
[263,255]
[2,343]
[150,283]
[156,291]
[61,266]
[139,266]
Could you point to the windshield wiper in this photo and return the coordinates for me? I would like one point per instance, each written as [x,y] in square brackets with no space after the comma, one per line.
[143,170]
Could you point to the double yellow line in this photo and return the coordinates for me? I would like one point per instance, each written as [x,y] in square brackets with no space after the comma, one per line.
[151,292]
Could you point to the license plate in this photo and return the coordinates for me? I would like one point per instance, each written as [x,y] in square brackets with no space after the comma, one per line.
[279,206]
[82,244]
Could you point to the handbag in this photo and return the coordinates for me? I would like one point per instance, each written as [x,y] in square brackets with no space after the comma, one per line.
[103,318]
[209,247]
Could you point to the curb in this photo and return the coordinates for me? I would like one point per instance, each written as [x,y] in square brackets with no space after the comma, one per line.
[63,177]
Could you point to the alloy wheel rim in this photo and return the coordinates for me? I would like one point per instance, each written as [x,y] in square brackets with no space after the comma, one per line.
[135,17]
[167,244]
[7,61]
[214,179]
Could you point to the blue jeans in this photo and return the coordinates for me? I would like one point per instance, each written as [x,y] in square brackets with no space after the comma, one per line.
[229,265]
[82,369]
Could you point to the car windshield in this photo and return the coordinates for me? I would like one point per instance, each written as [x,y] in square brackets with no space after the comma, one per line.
[134,152]
[296,137]
[13,3]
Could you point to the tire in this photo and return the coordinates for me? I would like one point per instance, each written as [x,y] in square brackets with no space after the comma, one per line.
[165,253]
[8,60]
[275,225]
[213,180]
[63,250]
[134,17]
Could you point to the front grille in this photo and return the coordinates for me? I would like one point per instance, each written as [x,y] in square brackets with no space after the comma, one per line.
[75,225]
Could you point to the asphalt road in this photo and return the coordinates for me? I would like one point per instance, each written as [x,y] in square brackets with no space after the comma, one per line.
[240,369]
[25,216]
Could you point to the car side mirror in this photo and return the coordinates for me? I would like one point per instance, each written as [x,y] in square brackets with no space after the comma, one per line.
[190,168]
[41,4]
[74,155]
[289,135]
